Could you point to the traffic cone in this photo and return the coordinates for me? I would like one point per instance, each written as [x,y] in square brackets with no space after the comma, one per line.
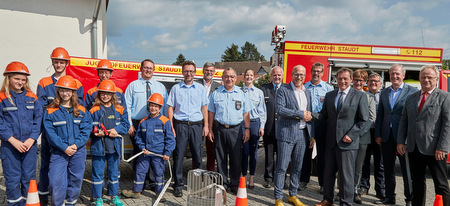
[438,201]
[241,197]
[33,196]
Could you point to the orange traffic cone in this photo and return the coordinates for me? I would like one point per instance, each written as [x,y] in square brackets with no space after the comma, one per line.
[438,201]
[33,196]
[241,197]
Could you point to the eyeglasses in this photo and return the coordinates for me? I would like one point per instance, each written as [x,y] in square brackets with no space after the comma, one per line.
[147,68]
[228,77]
[316,71]
[298,75]
[428,78]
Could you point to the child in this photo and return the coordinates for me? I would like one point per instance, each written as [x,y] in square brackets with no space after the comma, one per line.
[67,125]
[107,114]
[155,135]
[20,125]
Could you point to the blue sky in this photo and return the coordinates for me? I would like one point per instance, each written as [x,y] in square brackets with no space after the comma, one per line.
[201,30]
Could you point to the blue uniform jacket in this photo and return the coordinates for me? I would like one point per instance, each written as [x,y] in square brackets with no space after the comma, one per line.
[92,93]
[21,120]
[46,91]
[155,135]
[122,126]
[63,129]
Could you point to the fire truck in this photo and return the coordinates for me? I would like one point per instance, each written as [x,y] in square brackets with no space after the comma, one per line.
[373,58]
[84,69]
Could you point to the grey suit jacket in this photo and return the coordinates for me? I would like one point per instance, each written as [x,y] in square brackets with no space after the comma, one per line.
[349,121]
[214,85]
[429,130]
[289,114]
[365,131]
[386,115]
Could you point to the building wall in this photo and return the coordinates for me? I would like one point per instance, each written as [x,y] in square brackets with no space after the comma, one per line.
[31,29]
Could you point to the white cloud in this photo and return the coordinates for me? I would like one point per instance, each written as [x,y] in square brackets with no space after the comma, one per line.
[113,51]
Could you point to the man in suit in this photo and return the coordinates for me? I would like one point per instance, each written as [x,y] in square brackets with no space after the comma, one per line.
[347,112]
[270,143]
[210,86]
[425,125]
[293,106]
[392,100]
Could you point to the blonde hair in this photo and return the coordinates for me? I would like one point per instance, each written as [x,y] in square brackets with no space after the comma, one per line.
[73,102]
[99,102]
[5,86]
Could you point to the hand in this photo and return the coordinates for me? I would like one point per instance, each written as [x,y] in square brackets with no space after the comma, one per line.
[378,140]
[100,133]
[307,116]
[261,132]
[29,143]
[17,144]
[246,135]
[165,157]
[311,143]
[347,139]
[440,155]
[146,152]
[211,136]
[132,131]
[113,133]
[70,150]
[401,149]
[174,134]
[205,131]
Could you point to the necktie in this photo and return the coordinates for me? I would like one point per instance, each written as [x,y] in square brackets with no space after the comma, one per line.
[422,102]
[275,90]
[339,103]
[149,91]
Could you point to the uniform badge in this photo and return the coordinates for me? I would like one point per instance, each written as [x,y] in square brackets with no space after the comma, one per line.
[238,105]
[321,99]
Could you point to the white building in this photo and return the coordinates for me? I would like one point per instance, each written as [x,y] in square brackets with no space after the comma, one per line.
[31,29]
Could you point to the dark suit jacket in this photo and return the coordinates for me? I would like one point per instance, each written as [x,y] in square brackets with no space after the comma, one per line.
[214,85]
[386,115]
[429,130]
[353,116]
[289,114]
[269,98]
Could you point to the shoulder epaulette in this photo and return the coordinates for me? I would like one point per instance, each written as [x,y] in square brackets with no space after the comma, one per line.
[91,90]
[81,108]
[163,119]
[119,108]
[145,118]
[45,81]
[94,109]
[119,90]
[78,83]
[50,110]
[243,90]
[31,94]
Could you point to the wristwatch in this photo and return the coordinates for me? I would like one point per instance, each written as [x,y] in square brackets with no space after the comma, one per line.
[247,128]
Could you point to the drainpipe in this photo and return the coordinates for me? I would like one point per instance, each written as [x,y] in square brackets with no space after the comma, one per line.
[94,48]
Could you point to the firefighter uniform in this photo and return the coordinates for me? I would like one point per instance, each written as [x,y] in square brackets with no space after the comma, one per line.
[62,130]
[92,93]
[100,151]
[155,135]
[21,120]
[46,92]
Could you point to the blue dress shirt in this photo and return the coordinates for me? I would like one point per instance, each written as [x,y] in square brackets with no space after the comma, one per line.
[318,94]
[259,106]
[187,101]
[393,95]
[229,107]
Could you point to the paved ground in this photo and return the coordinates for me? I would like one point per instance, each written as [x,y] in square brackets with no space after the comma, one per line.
[257,196]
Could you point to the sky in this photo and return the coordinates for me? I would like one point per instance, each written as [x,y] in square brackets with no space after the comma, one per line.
[202,30]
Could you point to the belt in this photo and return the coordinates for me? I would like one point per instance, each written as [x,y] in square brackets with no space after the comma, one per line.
[188,122]
[226,125]
[254,120]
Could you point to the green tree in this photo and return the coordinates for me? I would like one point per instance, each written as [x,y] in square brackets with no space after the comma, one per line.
[232,54]
[250,53]
[445,64]
[264,79]
[180,60]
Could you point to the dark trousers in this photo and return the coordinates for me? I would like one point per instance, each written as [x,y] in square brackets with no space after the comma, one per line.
[305,174]
[378,168]
[151,181]
[389,153]
[438,170]
[270,148]
[343,161]
[228,147]
[250,148]
[320,132]
[210,155]
[191,134]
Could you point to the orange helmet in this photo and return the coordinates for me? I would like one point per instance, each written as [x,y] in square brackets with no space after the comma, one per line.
[157,99]
[60,53]
[16,67]
[105,64]
[107,86]
[66,82]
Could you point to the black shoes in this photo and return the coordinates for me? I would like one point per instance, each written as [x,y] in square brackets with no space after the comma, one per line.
[385,201]
[357,199]
[302,186]
[178,192]
[267,184]
[363,191]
